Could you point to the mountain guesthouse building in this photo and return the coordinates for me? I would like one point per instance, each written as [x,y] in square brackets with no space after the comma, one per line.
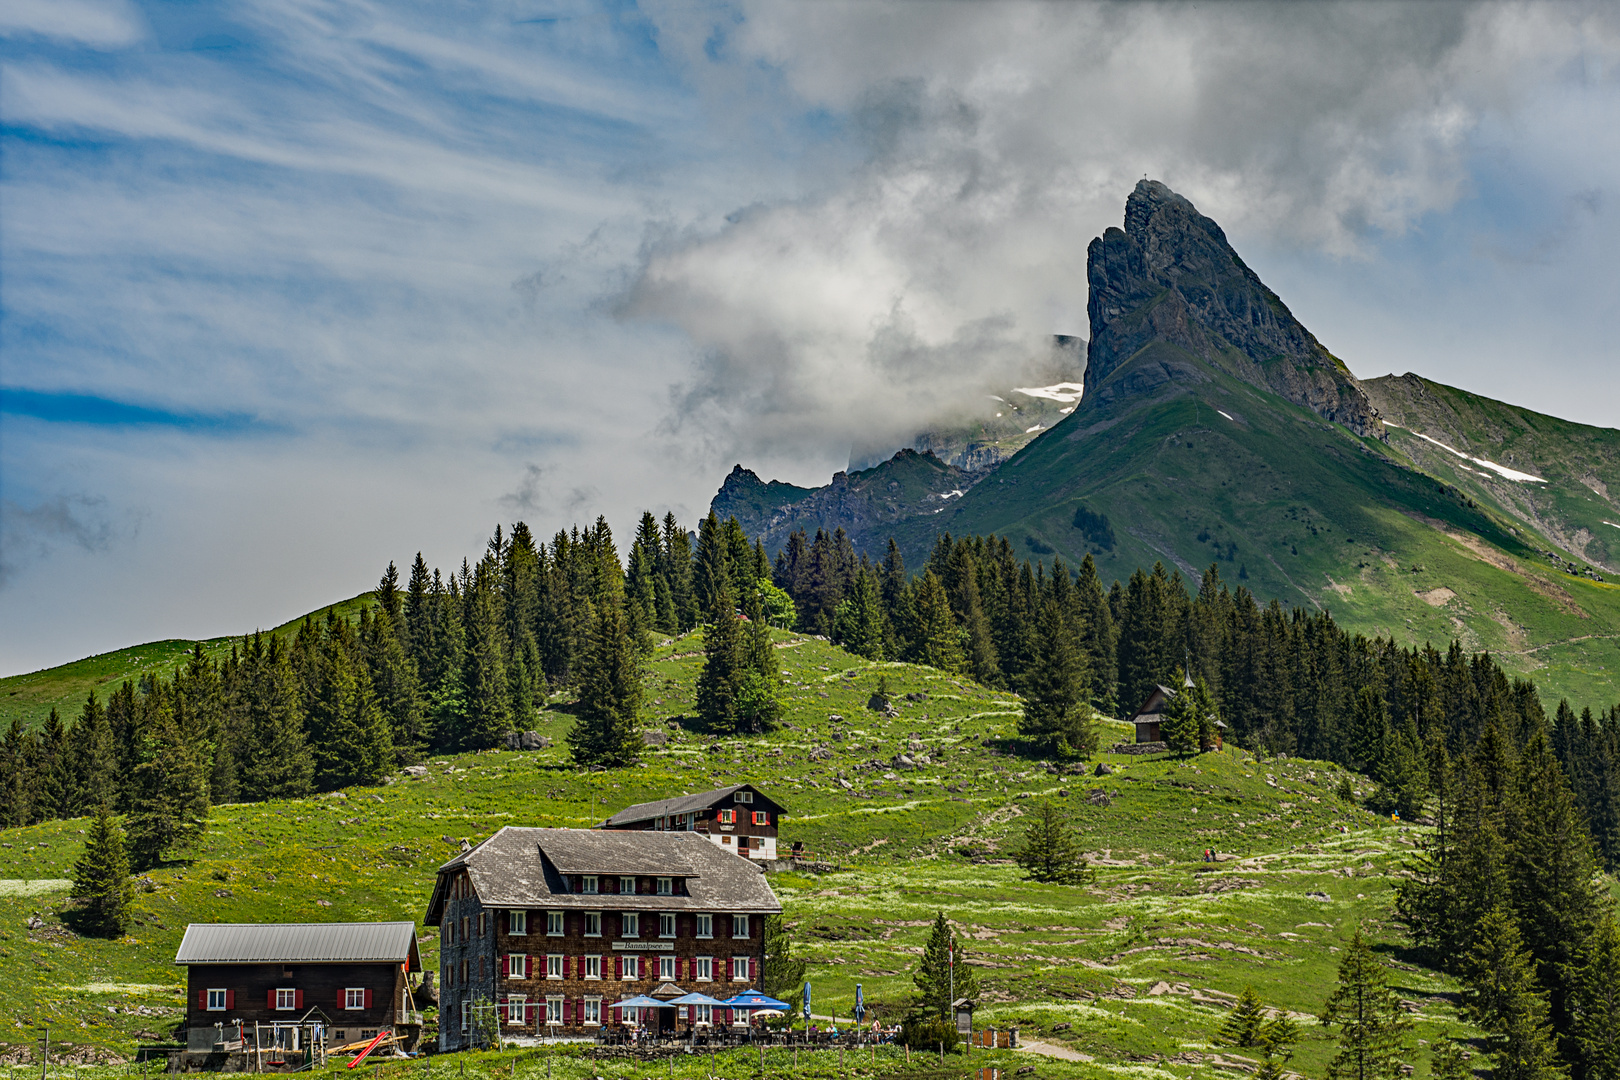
[740,819]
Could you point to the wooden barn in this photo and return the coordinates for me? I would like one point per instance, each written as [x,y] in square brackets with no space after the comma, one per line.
[284,985]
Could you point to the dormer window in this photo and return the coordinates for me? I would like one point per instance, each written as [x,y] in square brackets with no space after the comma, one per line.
[587,884]
[666,886]
[627,885]
[742,796]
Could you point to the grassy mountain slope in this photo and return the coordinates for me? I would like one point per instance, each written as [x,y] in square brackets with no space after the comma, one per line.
[1578,507]
[1192,466]
[1302,871]
[31,697]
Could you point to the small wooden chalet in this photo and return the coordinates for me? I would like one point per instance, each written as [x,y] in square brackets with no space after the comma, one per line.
[542,931]
[282,985]
[1148,717]
[739,818]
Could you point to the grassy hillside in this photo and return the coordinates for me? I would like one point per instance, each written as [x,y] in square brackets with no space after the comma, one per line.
[31,697]
[1301,871]
[1192,466]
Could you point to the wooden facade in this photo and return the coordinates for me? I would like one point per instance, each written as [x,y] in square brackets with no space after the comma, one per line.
[739,818]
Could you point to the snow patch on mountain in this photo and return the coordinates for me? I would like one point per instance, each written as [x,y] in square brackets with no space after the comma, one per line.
[1066,392]
[1501,470]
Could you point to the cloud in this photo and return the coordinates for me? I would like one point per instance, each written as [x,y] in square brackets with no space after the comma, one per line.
[31,533]
[111,25]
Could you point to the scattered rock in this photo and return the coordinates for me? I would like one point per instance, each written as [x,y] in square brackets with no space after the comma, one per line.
[1159,989]
[1103,769]
[820,753]
[1322,896]
[918,696]
[1099,797]
[324,903]
[1024,1070]
[525,740]
[916,744]
[1060,1027]
[878,703]
[35,922]
[416,770]
[654,738]
[834,718]
[903,761]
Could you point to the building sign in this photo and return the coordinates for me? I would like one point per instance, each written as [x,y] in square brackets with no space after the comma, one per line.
[643,946]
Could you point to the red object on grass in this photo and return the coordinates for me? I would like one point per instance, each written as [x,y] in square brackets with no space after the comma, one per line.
[370,1046]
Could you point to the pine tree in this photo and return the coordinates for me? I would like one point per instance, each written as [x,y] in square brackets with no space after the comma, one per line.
[942,972]
[1056,715]
[1501,996]
[1372,1025]
[781,975]
[56,770]
[1096,634]
[1246,1022]
[720,682]
[858,624]
[1448,1060]
[759,706]
[98,773]
[937,643]
[1050,851]
[485,691]
[169,790]
[605,731]
[281,766]
[348,731]
[1595,1004]
[1179,728]
[101,881]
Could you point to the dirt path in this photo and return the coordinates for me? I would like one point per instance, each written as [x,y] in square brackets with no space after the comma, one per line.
[1052,1050]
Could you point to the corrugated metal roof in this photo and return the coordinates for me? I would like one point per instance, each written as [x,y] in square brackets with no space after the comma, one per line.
[297,943]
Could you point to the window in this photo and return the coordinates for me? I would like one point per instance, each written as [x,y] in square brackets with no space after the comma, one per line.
[727,817]
[466,1016]
[517,966]
[739,969]
[514,1008]
[286,1000]
[666,924]
[554,1010]
[739,927]
[554,965]
[666,968]
[217,1001]
[627,884]
[464,928]
[593,924]
[354,998]
[632,967]
[705,968]
[481,923]
[587,884]
[464,971]
[761,818]
[666,886]
[517,923]
[702,1014]
[742,796]
[593,1010]
[593,967]
[705,926]
[447,933]
[630,924]
[554,924]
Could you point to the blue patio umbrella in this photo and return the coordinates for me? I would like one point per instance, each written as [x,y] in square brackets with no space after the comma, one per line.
[641,1001]
[860,1004]
[695,998]
[753,999]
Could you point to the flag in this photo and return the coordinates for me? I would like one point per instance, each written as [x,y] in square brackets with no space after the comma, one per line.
[860,1004]
[807,1001]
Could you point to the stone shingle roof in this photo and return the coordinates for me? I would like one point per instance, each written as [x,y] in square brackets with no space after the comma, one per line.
[681,804]
[524,868]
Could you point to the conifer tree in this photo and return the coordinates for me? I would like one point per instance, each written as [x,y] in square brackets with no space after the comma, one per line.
[486,694]
[1056,713]
[937,642]
[55,768]
[942,971]
[1096,634]
[858,624]
[101,881]
[781,974]
[1179,728]
[1594,985]
[719,684]
[98,772]
[169,790]
[348,732]
[1372,1025]
[399,692]
[1050,852]
[677,552]
[759,706]
[281,766]
[1448,1060]
[1501,996]
[1246,1022]
[610,696]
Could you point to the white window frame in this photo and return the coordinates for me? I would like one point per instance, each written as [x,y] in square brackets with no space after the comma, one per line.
[354,997]
[744,922]
[739,964]
[703,1014]
[761,818]
[515,1005]
[728,817]
[554,965]
[593,924]
[522,971]
[554,1010]
[587,884]
[466,1017]
[554,924]
[517,923]
[630,924]
[666,886]
[705,925]
[666,969]
[220,995]
[593,967]
[593,1011]
[631,882]
[290,996]
[666,924]
[742,796]
[631,968]
[704,968]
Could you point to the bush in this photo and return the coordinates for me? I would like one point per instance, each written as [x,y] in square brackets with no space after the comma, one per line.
[924,1034]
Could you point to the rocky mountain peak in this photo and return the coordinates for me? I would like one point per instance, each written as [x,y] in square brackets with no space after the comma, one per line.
[1171,275]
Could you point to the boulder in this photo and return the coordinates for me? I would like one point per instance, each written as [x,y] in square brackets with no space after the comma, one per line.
[1103,769]
[903,761]
[1099,797]
[416,770]
[916,744]
[654,738]
[533,740]
[879,703]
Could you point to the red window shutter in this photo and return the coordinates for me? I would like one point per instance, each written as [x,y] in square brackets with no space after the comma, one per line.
[753,969]
[230,999]
[298,999]
[506,965]
[202,999]
[270,1000]
[618,967]
[368,997]
[343,999]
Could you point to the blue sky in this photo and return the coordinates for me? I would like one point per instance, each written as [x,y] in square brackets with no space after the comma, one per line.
[291,288]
